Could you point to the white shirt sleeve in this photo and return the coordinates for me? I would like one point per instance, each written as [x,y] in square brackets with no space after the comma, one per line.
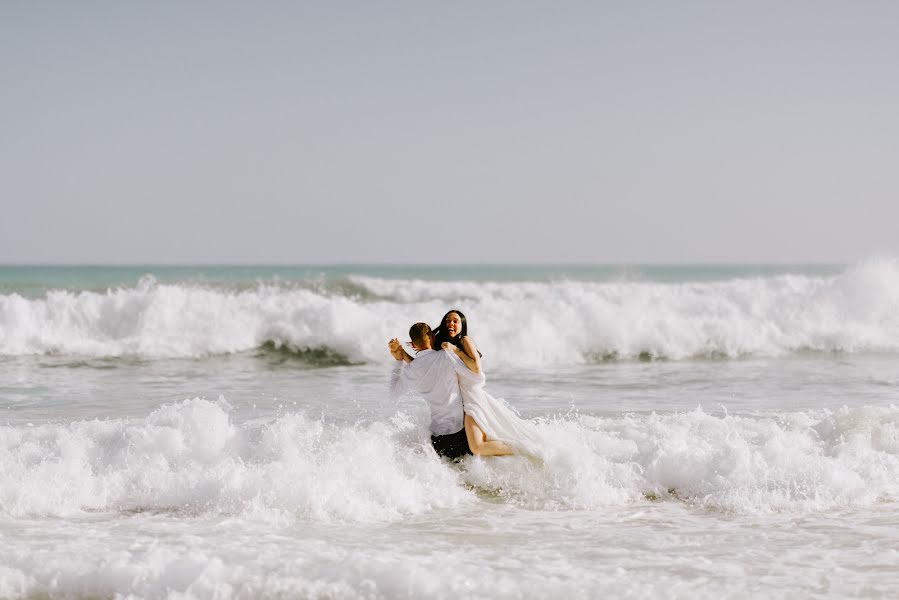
[398,385]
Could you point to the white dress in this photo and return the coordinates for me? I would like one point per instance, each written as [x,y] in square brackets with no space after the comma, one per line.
[499,420]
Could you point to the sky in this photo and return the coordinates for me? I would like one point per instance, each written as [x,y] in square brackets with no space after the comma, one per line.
[448,132]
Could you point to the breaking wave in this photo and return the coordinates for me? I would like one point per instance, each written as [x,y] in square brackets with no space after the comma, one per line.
[515,323]
[191,457]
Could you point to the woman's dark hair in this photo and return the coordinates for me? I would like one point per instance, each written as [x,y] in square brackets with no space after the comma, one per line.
[442,335]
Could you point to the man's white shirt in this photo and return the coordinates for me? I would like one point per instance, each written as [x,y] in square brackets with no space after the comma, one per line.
[434,375]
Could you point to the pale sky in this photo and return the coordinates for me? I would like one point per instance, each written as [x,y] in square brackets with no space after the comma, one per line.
[373,132]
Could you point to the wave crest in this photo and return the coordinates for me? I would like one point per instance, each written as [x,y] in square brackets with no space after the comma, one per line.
[521,324]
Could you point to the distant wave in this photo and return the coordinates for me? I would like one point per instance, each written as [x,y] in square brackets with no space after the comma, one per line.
[525,323]
[190,457]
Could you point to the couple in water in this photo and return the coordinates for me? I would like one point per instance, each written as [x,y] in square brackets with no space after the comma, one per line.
[446,371]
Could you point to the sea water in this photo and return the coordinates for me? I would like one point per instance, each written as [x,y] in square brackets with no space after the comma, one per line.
[219,432]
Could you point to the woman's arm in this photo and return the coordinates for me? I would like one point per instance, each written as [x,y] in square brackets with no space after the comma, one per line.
[398,352]
[406,356]
[472,351]
[473,365]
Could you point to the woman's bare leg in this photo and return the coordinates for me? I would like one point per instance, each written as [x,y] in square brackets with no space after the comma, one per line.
[478,442]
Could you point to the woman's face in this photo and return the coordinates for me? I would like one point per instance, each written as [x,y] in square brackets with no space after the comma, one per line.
[453,324]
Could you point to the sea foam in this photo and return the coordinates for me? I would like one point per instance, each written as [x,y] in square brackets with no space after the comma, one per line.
[191,457]
[518,324]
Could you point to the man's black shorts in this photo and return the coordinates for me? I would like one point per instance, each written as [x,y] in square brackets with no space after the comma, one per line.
[453,445]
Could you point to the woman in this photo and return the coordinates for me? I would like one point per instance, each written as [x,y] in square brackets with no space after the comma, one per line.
[492,427]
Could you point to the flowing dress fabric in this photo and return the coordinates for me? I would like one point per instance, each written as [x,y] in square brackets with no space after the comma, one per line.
[499,420]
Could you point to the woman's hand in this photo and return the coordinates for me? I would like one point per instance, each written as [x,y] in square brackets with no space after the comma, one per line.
[449,347]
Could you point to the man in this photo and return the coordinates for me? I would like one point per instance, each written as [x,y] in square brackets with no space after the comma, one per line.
[433,374]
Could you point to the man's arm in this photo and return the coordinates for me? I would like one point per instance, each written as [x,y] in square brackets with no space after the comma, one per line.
[398,385]
[398,352]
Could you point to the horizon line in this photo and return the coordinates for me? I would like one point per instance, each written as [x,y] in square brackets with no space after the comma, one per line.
[440,264]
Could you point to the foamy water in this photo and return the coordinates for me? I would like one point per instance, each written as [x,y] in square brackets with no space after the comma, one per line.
[196,439]
[525,323]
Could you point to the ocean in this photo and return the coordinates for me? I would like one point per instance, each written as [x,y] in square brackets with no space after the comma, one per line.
[226,432]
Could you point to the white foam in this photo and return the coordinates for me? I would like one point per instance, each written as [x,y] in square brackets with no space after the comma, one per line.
[518,324]
[189,503]
[144,570]
[191,457]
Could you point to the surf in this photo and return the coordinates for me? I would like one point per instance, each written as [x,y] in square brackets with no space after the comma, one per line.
[518,324]
[197,457]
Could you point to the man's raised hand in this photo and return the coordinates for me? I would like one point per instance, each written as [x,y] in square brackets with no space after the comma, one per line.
[396,349]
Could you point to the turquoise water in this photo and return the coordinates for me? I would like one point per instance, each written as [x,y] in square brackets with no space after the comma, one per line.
[35,279]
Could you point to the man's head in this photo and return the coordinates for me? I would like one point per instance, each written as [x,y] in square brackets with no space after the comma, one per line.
[420,334]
